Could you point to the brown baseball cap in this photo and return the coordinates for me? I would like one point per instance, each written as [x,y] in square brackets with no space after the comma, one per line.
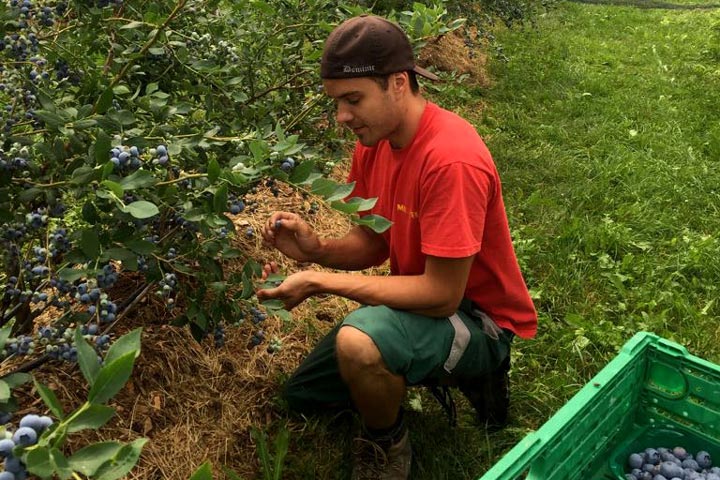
[368,46]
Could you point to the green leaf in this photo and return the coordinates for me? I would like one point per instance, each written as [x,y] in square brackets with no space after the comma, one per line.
[111,378]
[376,223]
[301,172]
[104,101]
[51,119]
[38,462]
[17,379]
[87,460]
[4,391]
[50,399]
[83,175]
[323,186]
[130,342]
[359,204]
[220,199]
[141,209]
[123,461]
[87,358]
[282,440]
[139,179]
[60,464]
[141,247]
[102,147]
[5,334]
[29,194]
[341,192]
[122,254]
[114,187]
[72,274]
[85,123]
[213,170]
[93,417]
[89,243]
[203,473]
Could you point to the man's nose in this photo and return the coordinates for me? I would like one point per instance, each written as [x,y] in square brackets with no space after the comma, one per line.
[343,115]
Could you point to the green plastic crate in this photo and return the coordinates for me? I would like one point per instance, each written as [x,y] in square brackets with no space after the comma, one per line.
[652,394]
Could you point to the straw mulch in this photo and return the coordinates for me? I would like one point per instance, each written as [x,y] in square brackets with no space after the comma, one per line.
[451,53]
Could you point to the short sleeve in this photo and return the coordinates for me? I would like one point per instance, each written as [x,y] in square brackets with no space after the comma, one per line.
[453,209]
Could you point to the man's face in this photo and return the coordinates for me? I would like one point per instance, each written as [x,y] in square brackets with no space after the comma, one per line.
[365,108]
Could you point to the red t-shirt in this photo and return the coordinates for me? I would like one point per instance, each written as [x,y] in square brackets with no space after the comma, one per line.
[443,195]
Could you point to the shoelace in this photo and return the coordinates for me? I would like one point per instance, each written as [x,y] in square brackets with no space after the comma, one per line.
[371,456]
[445,399]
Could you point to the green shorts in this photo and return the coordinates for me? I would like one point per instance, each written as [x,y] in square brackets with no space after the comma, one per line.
[421,349]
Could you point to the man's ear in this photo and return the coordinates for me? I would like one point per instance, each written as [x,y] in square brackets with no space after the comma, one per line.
[400,82]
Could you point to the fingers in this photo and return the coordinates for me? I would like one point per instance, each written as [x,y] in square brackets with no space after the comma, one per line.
[282,220]
[269,269]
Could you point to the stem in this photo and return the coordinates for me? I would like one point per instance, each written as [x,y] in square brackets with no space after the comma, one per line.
[40,185]
[170,182]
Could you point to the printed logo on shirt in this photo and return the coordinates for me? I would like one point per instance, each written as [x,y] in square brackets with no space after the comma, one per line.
[403,208]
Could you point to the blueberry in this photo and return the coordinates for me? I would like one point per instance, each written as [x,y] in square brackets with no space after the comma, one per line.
[32,421]
[25,436]
[6,447]
[7,476]
[703,459]
[652,456]
[670,469]
[13,465]
[691,464]
[680,453]
[635,461]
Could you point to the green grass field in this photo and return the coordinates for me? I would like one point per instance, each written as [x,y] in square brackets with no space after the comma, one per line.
[605,126]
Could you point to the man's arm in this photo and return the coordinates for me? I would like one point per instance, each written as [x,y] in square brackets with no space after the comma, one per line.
[359,249]
[435,293]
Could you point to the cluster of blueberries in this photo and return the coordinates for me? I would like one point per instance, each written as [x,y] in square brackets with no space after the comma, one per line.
[167,287]
[671,464]
[274,346]
[160,155]
[219,336]
[29,430]
[287,164]
[12,165]
[210,47]
[126,159]
[235,205]
[257,316]
[58,343]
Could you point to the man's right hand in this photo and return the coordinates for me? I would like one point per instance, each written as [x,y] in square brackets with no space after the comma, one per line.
[291,235]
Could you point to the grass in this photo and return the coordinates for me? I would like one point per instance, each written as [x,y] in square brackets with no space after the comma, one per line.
[604,126]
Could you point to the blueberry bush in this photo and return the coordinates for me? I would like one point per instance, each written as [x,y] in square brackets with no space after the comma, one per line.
[130,135]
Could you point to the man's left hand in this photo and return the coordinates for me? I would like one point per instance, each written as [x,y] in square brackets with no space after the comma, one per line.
[292,291]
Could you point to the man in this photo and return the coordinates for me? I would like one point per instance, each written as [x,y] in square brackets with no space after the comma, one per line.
[455,296]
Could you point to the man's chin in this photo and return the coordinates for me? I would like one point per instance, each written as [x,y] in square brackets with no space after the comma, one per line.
[367,142]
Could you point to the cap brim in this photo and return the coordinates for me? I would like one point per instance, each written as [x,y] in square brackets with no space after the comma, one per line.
[425,73]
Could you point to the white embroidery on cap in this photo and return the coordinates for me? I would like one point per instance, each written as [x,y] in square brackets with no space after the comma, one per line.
[360,69]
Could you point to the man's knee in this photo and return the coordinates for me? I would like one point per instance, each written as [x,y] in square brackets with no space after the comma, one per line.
[356,351]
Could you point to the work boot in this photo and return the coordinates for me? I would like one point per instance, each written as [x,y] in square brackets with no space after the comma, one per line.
[490,396]
[373,462]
